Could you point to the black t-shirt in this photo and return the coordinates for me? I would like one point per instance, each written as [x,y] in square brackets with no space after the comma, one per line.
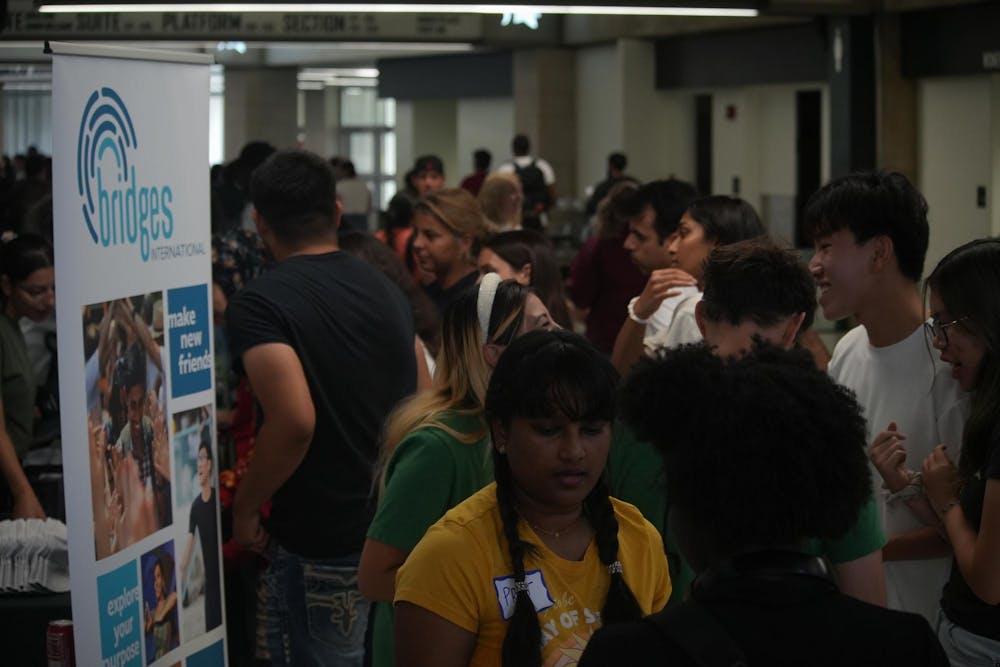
[353,333]
[963,607]
[443,297]
[203,520]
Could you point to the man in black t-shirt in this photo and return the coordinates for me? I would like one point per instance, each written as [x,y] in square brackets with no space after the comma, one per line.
[202,520]
[327,344]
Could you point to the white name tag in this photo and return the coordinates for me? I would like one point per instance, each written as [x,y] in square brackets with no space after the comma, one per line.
[537,590]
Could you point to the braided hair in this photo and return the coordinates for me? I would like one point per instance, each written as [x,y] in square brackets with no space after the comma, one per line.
[544,373]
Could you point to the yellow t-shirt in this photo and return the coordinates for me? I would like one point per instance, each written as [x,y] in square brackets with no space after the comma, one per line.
[461,571]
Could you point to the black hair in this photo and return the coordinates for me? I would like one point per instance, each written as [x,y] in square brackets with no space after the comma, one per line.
[398,214]
[528,246]
[481,159]
[618,161]
[669,199]
[613,211]
[165,561]
[23,255]
[757,280]
[294,192]
[520,145]
[726,219]
[871,204]
[251,156]
[540,374]
[206,440]
[967,280]
[761,451]
[384,258]
[134,370]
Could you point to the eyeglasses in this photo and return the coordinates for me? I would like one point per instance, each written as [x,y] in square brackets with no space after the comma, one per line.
[937,329]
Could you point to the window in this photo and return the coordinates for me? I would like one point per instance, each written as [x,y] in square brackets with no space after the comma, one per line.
[368,138]
[217,115]
[27,119]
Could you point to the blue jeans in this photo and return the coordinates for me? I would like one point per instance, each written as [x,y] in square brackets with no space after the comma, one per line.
[964,648]
[315,615]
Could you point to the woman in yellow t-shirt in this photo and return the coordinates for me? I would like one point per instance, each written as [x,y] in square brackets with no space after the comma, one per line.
[527,569]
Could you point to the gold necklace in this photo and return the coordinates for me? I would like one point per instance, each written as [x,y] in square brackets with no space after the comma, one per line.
[555,534]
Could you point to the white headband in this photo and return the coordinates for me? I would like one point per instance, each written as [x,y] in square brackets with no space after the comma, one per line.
[484,302]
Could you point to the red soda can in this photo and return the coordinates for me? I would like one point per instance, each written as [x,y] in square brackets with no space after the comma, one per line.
[59,644]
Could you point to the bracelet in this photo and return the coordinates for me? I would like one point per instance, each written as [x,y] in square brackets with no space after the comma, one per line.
[911,490]
[951,503]
[631,313]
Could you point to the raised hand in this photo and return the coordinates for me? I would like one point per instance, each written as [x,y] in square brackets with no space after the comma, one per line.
[662,284]
[941,480]
[888,455]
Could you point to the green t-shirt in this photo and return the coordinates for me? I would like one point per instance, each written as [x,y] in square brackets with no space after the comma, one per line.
[635,472]
[429,473]
[17,386]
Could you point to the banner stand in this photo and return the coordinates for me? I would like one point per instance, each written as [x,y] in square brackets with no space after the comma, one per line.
[137,390]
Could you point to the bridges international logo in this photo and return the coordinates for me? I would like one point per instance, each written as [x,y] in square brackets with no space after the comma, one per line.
[118,209]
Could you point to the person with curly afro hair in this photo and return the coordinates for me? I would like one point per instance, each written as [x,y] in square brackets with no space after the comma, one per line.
[761,453]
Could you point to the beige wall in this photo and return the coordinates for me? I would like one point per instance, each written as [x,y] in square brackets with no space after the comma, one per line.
[483,123]
[599,113]
[261,104]
[957,127]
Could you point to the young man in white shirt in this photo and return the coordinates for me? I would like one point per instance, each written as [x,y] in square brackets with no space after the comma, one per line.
[871,234]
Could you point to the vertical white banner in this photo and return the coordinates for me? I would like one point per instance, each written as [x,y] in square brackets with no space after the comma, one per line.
[133,295]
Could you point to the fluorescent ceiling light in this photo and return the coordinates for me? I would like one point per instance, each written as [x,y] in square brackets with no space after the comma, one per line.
[323,73]
[34,87]
[436,47]
[398,9]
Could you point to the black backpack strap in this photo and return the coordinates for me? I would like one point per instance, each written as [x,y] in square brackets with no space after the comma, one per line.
[692,627]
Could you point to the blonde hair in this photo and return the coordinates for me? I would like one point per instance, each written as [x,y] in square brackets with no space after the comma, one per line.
[495,189]
[457,210]
[462,375]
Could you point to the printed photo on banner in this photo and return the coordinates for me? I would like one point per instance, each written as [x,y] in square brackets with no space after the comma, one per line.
[159,602]
[126,381]
[197,521]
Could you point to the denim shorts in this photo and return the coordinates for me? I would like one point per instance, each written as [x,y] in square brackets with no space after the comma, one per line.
[964,648]
[315,614]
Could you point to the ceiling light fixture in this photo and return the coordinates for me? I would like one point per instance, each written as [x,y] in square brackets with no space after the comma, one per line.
[400,8]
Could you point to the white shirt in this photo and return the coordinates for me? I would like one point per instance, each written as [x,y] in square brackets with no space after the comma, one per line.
[674,324]
[909,384]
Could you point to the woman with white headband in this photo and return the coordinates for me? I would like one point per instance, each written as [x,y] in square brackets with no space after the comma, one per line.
[435,451]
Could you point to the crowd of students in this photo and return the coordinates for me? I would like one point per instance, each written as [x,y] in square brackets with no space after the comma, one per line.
[532,508]
[699,483]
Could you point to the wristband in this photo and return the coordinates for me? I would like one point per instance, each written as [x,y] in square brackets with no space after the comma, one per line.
[911,490]
[951,503]
[631,313]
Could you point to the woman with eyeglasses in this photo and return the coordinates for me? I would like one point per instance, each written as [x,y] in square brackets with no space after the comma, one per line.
[965,328]
[27,283]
